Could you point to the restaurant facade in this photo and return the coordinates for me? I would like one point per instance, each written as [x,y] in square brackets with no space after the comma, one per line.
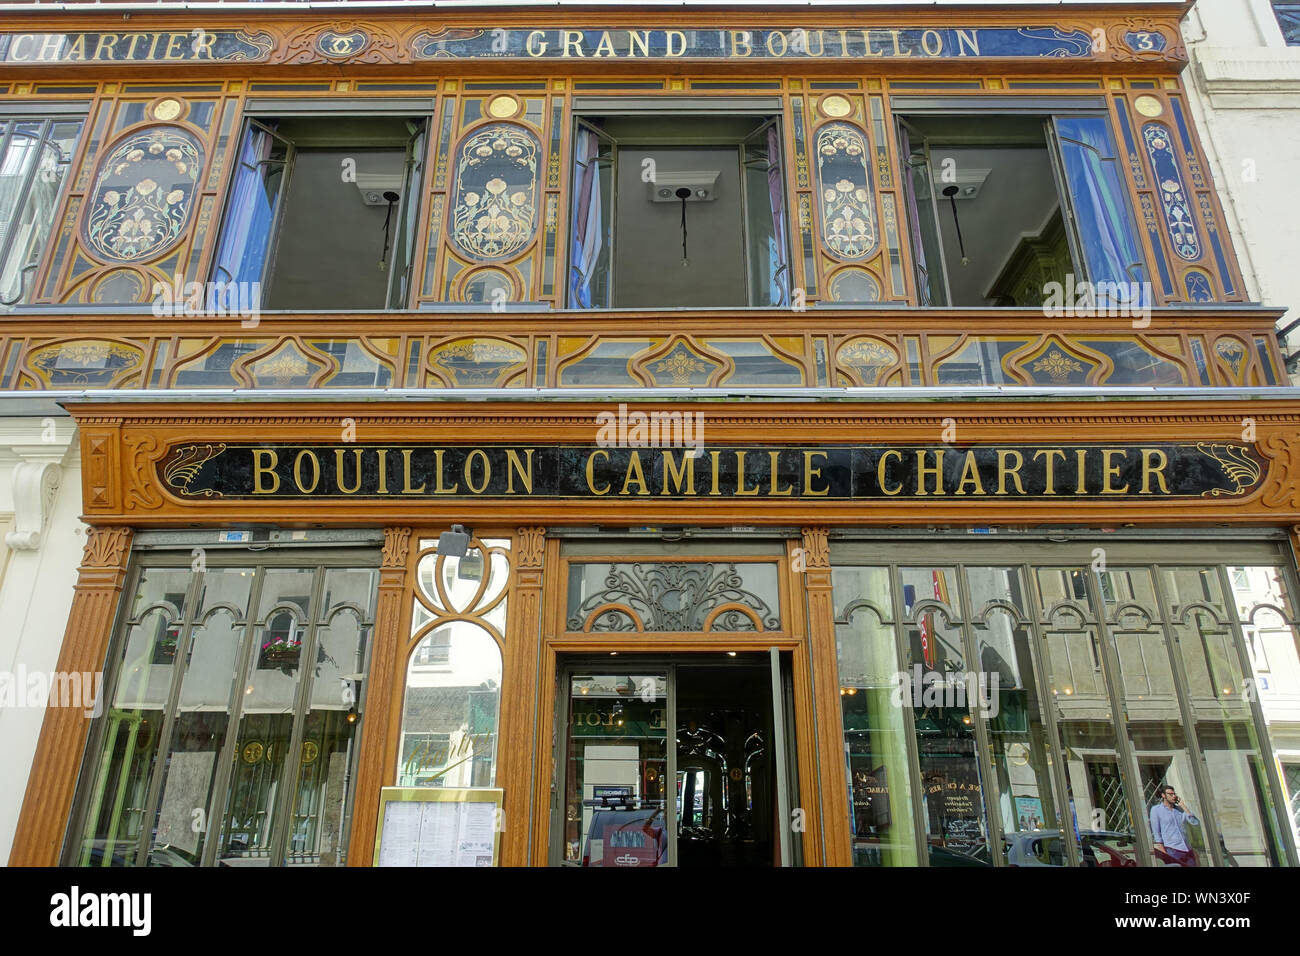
[706,436]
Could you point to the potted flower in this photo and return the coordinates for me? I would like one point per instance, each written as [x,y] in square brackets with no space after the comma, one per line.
[165,649]
[281,649]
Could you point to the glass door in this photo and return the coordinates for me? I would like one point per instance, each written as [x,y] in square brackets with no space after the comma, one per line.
[616,768]
[714,792]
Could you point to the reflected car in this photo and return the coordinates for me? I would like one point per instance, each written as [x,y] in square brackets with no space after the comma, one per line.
[1101,848]
[119,852]
[946,856]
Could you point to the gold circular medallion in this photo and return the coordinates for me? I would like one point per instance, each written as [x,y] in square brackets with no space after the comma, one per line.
[1148,106]
[253,751]
[168,109]
[836,106]
[502,107]
[309,751]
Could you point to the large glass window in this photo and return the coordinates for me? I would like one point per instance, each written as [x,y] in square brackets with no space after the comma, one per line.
[678,212]
[1043,710]
[453,674]
[34,158]
[321,215]
[230,737]
[1001,207]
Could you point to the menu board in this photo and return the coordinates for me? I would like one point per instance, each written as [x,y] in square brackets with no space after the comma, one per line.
[422,826]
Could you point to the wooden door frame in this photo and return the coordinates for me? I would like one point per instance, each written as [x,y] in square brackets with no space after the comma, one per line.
[792,638]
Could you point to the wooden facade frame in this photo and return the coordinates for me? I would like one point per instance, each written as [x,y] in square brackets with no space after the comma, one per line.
[119,442]
[123,443]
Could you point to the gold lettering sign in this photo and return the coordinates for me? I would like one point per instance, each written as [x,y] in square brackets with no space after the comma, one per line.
[752,472]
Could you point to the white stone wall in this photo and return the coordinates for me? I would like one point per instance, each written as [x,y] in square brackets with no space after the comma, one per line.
[40,551]
[1244,87]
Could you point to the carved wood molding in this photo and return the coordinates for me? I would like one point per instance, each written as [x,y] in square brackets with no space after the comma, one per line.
[396,548]
[107,549]
[531,545]
[816,548]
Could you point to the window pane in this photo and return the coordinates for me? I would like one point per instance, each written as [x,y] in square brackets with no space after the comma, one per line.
[250,213]
[202,717]
[1152,719]
[591,255]
[1099,802]
[678,596]
[321,807]
[1224,728]
[1027,800]
[1288,18]
[449,723]
[952,790]
[769,271]
[880,786]
[266,723]
[1265,606]
[32,170]
[116,812]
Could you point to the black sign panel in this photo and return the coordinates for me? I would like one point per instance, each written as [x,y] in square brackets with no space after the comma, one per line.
[1173,470]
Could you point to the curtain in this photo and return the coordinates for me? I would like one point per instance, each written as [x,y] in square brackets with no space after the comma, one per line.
[246,232]
[1100,202]
[776,194]
[587,224]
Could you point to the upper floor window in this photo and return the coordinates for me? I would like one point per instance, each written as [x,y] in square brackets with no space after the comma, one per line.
[1288,18]
[1001,207]
[321,213]
[34,158]
[675,211]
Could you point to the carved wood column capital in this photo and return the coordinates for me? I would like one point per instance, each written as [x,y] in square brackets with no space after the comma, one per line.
[529,547]
[397,542]
[106,549]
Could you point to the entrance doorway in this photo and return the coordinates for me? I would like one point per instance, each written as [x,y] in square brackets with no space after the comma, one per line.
[680,761]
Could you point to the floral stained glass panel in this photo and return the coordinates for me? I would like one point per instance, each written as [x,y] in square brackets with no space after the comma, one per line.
[142,200]
[494,206]
[848,209]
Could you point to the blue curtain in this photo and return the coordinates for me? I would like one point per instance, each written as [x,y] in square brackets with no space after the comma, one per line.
[587,225]
[1100,202]
[246,231]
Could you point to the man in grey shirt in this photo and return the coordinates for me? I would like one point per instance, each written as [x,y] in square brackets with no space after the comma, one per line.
[1169,819]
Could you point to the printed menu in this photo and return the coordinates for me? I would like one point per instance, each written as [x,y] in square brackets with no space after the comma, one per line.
[438,833]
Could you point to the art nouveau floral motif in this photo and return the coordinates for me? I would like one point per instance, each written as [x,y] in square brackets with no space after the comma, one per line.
[142,198]
[844,183]
[494,212]
[1173,196]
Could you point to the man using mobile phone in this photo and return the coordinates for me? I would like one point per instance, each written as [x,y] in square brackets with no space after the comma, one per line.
[1169,819]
